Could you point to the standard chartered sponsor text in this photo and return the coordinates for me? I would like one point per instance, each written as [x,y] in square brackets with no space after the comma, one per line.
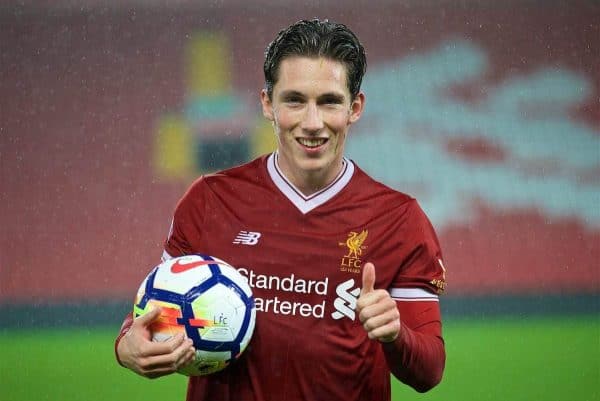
[290,284]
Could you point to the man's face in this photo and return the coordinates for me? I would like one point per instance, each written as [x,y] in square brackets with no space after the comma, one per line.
[312,110]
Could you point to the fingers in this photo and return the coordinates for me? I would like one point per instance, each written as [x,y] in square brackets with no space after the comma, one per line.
[157,365]
[376,304]
[376,310]
[169,346]
[386,333]
[159,359]
[153,359]
[381,320]
[368,278]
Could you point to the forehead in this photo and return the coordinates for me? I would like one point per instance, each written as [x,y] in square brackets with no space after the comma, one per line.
[312,75]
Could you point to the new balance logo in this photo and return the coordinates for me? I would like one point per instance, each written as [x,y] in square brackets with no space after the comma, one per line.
[247,238]
[345,303]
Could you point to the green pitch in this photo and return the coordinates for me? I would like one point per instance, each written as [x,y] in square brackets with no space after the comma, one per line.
[506,359]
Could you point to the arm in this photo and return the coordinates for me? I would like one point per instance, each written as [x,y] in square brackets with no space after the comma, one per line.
[413,345]
[124,329]
[135,350]
[417,356]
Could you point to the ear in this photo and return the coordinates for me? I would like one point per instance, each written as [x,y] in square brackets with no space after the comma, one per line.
[267,105]
[357,107]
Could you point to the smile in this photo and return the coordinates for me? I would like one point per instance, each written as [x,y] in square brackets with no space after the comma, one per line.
[312,142]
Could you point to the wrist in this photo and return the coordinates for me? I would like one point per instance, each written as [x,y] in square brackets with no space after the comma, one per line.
[396,343]
[117,343]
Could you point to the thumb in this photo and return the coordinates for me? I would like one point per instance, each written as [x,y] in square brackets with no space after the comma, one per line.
[368,278]
[149,317]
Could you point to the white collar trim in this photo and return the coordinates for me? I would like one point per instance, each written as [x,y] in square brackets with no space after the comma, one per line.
[307,203]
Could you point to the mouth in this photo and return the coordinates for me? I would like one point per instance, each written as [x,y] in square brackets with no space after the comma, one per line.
[312,143]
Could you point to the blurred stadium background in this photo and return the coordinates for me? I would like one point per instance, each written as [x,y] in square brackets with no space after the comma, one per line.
[488,113]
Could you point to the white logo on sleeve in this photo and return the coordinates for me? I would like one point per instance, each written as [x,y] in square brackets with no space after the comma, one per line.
[247,238]
[345,303]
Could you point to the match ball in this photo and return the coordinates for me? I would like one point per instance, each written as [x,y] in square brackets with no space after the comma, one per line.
[206,299]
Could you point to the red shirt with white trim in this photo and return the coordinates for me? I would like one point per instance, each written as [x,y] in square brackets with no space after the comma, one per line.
[303,258]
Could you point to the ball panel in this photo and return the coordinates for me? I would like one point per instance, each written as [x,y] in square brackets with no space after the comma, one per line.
[219,307]
[234,276]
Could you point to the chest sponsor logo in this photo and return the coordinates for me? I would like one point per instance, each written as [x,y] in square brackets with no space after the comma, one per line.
[351,261]
[277,293]
[296,296]
[247,238]
[345,303]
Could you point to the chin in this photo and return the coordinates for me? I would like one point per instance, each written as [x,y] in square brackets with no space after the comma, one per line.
[313,165]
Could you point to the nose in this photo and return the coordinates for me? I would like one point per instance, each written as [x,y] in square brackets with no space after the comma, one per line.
[312,120]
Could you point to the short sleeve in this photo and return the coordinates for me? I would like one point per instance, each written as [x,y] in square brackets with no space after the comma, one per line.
[421,275]
[186,224]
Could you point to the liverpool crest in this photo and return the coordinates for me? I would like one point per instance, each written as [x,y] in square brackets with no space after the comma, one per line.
[351,262]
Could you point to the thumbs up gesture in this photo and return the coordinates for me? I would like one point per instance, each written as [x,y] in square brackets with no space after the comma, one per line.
[376,309]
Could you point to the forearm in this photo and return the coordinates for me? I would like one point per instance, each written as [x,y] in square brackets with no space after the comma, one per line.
[416,358]
[124,329]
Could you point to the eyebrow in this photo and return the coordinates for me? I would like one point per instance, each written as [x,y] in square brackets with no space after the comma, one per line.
[332,97]
[291,93]
[329,96]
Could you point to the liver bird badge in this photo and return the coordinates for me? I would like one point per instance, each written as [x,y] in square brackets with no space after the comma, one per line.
[355,243]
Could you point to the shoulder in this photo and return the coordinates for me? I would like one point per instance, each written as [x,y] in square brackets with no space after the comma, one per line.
[228,183]
[376,190]
[383,200]
[251,172]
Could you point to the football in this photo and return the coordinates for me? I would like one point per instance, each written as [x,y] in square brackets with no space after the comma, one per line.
[205,298]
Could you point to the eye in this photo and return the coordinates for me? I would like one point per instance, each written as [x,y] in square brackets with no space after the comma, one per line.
[293,100]
[331,100]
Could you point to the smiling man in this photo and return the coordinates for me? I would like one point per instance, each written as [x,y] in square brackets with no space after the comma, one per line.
[345,271]
[311,109]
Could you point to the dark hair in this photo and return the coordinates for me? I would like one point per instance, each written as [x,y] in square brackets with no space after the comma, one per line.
[316,38]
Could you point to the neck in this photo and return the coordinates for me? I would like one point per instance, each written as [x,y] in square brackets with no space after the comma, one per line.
[310,182]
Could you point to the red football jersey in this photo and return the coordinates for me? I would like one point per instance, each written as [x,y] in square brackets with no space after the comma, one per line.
[303,259]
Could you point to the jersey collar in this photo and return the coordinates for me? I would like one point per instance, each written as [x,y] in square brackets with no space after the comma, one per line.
[307,203]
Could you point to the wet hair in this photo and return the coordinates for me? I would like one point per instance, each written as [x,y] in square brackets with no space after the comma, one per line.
[317,38]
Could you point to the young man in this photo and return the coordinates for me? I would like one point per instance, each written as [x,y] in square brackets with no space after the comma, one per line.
[361,263]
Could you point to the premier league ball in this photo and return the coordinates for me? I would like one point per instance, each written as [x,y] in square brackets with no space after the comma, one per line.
[205,298]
